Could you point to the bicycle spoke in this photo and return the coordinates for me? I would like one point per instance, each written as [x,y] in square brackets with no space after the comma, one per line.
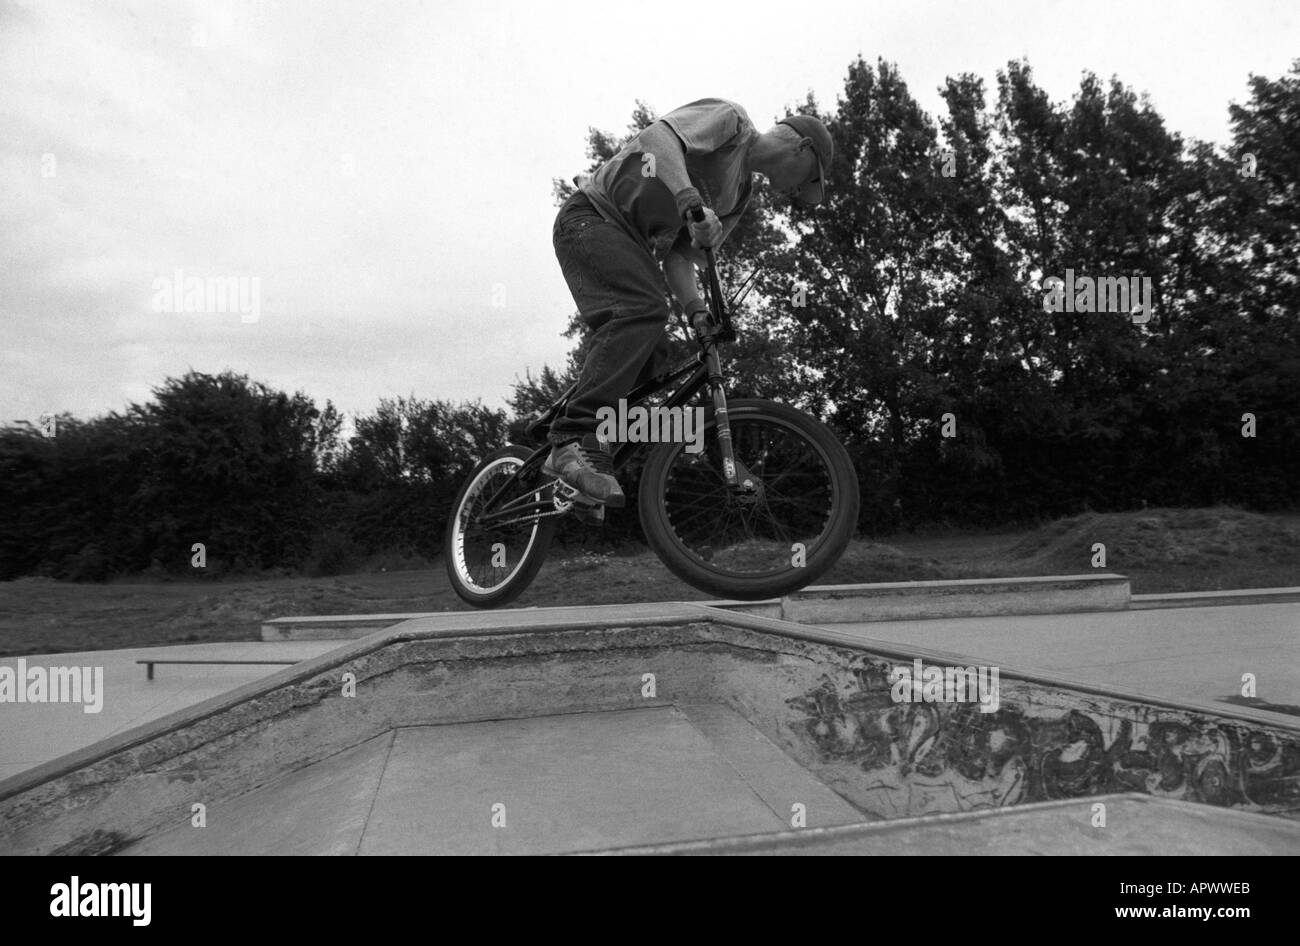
[750,533]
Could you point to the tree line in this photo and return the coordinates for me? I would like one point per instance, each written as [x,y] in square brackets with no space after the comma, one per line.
[909,312]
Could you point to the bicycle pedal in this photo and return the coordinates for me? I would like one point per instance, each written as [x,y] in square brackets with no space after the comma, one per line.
[568,499]
[563,495]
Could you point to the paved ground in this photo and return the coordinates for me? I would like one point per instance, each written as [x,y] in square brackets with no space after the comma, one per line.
[1174,654]
[32,733]
[667,780]
[527,786]
[667,776]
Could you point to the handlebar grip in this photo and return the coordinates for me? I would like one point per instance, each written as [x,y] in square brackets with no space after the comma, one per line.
[697,213]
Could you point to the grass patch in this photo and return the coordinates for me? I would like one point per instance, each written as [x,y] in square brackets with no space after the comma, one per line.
[1161,550]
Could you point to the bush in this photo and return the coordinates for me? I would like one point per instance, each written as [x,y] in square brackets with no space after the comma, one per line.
[88,564]
[333,553]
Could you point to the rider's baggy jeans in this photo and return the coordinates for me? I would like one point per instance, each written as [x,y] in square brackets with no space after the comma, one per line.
[620,292]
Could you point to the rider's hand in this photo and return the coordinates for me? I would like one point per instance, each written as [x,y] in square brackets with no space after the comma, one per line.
[708,231]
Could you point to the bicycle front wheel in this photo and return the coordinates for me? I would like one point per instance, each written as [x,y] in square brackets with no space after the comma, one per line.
[778,534]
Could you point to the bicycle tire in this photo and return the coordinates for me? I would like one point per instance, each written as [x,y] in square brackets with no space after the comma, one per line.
[530,542]
[655,505]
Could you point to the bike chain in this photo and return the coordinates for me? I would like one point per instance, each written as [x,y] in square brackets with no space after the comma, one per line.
[562,505]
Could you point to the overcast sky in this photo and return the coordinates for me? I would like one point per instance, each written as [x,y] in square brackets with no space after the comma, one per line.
[383,169]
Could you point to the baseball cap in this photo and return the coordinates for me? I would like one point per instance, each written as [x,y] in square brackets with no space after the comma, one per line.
[814,192]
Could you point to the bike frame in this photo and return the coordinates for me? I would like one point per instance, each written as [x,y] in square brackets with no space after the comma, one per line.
[702,370]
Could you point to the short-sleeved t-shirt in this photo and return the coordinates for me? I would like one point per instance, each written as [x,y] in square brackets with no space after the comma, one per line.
[716,137]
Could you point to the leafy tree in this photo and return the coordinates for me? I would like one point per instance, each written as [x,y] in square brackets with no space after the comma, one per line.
[231,464]
[405,464]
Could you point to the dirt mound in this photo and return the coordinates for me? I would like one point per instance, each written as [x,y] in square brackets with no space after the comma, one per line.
[1200,538]
[871,562]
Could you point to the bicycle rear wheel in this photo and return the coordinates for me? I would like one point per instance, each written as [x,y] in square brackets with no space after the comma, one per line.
[491,561]
[778,535]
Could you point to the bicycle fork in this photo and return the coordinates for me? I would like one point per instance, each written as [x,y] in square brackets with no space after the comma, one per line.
[737,475]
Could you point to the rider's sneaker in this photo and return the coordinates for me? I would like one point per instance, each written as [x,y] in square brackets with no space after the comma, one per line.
[588,468]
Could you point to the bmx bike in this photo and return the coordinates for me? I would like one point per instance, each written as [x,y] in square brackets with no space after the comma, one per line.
[764,508]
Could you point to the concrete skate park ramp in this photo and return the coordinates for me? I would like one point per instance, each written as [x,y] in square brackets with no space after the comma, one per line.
[604,728]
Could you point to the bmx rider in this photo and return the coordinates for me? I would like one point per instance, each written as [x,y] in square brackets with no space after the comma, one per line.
[611,235]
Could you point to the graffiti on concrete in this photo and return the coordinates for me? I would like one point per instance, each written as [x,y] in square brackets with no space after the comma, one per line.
[923,758]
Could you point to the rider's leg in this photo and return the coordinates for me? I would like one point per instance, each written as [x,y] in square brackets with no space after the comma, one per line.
[657,363]
[595,514]
[620,293]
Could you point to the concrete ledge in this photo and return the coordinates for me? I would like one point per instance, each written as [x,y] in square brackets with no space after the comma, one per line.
[1210,599]
[980,597]
[334,627]
[767,608]
[338,627]
[817,604]
[1137,825]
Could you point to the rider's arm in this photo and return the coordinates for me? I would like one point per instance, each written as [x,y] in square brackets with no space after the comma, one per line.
[680,273]
[680,263]
[669,151]
[669,157]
